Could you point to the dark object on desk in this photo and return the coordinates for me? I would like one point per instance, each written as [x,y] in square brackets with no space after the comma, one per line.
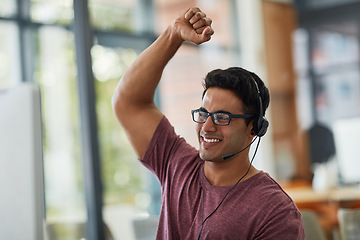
[322,144]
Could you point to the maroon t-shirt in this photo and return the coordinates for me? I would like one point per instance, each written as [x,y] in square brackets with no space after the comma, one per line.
[256,208]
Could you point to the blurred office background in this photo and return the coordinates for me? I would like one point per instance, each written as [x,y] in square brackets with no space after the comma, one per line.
[306,51]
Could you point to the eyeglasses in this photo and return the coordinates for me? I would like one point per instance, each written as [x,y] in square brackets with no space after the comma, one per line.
[219,118]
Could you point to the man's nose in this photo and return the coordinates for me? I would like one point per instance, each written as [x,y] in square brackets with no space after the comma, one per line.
[209,125]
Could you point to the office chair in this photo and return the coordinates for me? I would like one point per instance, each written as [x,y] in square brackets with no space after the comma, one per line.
[312,227]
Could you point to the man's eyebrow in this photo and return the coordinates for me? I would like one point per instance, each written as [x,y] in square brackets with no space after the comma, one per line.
[219,111]
[203,109]
[223,111]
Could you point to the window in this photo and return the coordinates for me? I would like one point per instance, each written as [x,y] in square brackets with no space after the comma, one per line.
[55,72]
[8,8]
[50,12]
[10,72]
[124,196]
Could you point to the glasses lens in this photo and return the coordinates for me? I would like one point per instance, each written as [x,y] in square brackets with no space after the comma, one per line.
[200,116]
[221,118]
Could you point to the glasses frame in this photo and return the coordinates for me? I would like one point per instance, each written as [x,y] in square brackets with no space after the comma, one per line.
[213,119]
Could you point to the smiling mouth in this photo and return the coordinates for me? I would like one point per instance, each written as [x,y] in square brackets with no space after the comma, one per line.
[210,140]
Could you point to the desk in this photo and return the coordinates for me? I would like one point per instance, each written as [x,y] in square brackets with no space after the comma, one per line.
[303,195]
[325,203]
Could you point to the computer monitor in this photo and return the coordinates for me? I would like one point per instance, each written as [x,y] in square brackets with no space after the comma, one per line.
[22,204]
[347,139]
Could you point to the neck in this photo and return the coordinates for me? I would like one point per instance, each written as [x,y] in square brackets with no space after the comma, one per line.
[229,172]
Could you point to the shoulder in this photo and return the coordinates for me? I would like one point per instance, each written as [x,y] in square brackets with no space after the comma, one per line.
[167,151]
[267,200]
[165,135]
[276,212]
[266,187]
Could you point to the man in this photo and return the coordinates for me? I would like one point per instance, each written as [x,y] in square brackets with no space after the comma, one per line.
[213,192]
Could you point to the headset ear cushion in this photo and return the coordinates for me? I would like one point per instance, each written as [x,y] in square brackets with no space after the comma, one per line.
[263,124]
[260,126]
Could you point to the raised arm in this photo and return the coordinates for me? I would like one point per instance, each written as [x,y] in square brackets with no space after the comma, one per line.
[133,100]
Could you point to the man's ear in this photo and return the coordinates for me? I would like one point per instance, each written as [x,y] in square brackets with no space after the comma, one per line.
[251,128]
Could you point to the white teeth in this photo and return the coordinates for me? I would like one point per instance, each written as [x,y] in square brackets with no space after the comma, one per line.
[212,140]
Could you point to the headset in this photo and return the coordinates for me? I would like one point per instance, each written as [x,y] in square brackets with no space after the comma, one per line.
[260,123]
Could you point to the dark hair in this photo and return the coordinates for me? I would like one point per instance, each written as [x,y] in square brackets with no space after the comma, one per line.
[241,82]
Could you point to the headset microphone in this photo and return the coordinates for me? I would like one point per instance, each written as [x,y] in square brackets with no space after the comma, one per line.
[230,155]
[226,156]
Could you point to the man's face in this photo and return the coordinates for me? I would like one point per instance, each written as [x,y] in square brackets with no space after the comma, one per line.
[214,140]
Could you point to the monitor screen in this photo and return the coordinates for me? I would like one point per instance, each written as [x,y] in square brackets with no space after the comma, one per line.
[347,139]
[22,203]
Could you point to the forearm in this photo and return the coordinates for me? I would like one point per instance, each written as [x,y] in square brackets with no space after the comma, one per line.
[138,85]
